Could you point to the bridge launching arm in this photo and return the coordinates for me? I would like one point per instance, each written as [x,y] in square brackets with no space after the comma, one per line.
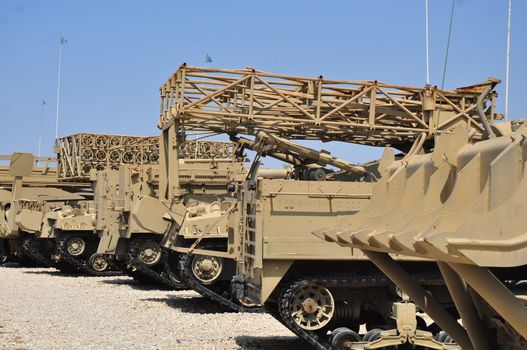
[247,101]
[244,101]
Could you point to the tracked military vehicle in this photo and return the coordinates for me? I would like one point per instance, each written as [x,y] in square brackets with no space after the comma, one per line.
[71,226]
[132,220]
[82,157]
[285,272]
[205,247]
[461,207]
[30,187]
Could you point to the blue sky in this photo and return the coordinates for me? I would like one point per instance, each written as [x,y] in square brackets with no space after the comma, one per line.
[120,52]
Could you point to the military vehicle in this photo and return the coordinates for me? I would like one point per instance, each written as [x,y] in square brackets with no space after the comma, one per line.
[71,226]
[131,219]
[6,185]
[206,245]
[315,288]
[462,208]
[28,187]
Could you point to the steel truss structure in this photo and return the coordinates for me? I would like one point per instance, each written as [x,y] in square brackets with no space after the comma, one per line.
[206,150]
[80,153]
[244,101]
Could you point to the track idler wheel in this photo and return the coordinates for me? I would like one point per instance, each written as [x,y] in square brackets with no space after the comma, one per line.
[343,338]
[98,262]
[207,269]
[310,305]
[76,246]
[149,253]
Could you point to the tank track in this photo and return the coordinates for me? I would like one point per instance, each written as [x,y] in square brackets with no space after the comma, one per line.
[187,277]
[337,280]
[148,272]
[185,272]
[31,249]
[77,264]
[129,270]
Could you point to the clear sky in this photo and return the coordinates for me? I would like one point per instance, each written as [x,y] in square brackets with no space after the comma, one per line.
[120,52]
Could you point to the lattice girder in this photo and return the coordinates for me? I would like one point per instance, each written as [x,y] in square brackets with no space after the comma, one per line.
[244,101]
[80,153]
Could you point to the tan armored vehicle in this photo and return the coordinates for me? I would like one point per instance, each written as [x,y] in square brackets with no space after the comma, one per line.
[84,156]
[71,226]
[313,288]
[132,219]
[207,244]
[462,207]
[29,187]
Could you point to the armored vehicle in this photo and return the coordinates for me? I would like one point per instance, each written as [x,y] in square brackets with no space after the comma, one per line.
[315,289]
[28,188]
[205,247]
[71,226]
[462,208]
[132,219]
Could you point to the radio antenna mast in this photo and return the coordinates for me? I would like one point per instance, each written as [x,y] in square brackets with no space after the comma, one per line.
[507,64]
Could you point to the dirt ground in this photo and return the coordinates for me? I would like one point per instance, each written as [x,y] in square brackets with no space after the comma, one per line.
[45,309]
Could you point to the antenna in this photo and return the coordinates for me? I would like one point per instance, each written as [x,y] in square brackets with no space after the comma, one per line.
[426,43]
[448,44]
[507,65]
[62,42]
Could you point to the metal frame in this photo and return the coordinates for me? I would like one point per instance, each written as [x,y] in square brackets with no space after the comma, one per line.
[243,101]
[78,154]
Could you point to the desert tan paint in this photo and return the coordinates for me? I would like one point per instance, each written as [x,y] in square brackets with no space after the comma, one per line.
[128,202]
[463,205]
[283,214]
[286,211]
[25,195]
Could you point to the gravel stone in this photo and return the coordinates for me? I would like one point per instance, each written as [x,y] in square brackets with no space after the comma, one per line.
[45,309]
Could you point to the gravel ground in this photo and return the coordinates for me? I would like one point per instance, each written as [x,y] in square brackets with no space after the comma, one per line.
[44,309]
